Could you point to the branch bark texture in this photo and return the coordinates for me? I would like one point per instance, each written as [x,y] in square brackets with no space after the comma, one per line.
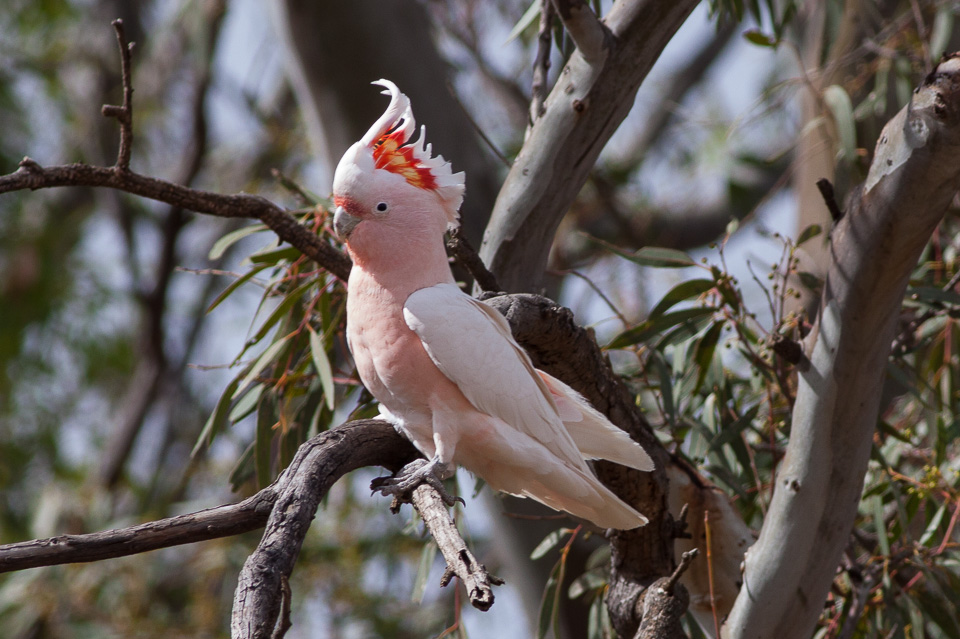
[212,523]
[912,180]
[460,561]
[559,346]
[319,463]
[591,98]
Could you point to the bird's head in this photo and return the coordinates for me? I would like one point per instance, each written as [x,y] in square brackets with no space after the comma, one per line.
[387,180]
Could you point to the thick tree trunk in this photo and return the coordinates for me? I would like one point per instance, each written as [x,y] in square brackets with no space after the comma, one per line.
[913,178]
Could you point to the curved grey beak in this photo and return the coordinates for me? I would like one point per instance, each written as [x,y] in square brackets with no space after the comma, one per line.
[344,223]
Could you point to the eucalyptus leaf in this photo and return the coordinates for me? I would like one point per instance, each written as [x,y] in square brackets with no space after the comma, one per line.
[682,292]
[647,329]
[838,101]
[218,418]
[528,18]
[427,556]
[650,255]
[809,233]
[262,362]
[235,284]
[322,363]
[281,310]
[220,246]
[263,444]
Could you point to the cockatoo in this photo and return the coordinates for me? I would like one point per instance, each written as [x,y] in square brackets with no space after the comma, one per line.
[444,366]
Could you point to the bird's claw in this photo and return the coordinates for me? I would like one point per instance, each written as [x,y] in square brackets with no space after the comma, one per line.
[417,472]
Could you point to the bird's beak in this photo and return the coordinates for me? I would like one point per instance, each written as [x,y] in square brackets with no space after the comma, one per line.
[344,223]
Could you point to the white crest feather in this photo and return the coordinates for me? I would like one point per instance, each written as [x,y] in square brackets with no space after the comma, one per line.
[389,140]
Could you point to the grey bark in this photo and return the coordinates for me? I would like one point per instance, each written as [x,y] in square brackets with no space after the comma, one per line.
[913,178]
[591,98]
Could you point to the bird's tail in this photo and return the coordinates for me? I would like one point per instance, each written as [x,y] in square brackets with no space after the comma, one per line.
[594,434]
[582,495]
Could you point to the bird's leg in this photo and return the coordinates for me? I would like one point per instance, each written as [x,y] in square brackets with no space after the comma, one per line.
[415,473]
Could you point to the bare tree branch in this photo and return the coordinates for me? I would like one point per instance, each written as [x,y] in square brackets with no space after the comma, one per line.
[460,561]
[664,604]
[912,180]
[375,443]
[152,364]
[317,466]
[212,523]
[123,113]
[32,176]
[589,101]
[463,252]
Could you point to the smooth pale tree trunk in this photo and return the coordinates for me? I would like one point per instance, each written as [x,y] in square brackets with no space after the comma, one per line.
[913,178]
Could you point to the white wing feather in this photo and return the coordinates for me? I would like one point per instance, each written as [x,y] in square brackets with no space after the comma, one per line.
[471,344]
[594,434]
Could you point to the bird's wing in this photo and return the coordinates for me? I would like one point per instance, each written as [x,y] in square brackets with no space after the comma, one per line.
[594,434]
[472,345]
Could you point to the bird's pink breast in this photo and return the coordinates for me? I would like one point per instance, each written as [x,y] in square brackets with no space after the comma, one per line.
[390,357]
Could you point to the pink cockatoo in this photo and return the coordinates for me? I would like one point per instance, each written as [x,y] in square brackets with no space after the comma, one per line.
[445,368]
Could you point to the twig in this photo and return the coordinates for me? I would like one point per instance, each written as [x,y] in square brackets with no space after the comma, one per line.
[713,598]
[476,127]
[153,364]
[284,623]
[463,252]
[584,27]
[664,604]
[541,64]
[124,113]
[33,176]
[685,560]
[460,561]
[826,190]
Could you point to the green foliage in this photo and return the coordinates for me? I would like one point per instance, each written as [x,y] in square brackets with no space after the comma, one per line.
[289,383]
[723,394]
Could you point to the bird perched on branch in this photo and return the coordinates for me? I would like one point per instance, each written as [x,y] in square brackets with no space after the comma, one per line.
[445,368]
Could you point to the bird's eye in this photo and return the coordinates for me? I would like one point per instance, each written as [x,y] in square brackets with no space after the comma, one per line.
[382,207]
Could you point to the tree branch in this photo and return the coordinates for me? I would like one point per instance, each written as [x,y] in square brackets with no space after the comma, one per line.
[212,523]
[912,180]
[589,101]
[318,464]
[153,365]
[123,113]
[460,561]
[32,176]
[541,63]
[463,252]
[664,604]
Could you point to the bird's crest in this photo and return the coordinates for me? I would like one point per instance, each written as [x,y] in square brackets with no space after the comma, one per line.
[389,139]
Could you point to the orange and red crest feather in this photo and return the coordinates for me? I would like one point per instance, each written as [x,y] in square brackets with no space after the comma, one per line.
[390,141]
[389,153]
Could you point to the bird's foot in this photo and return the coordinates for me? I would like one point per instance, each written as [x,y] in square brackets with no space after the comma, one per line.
[417,472]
